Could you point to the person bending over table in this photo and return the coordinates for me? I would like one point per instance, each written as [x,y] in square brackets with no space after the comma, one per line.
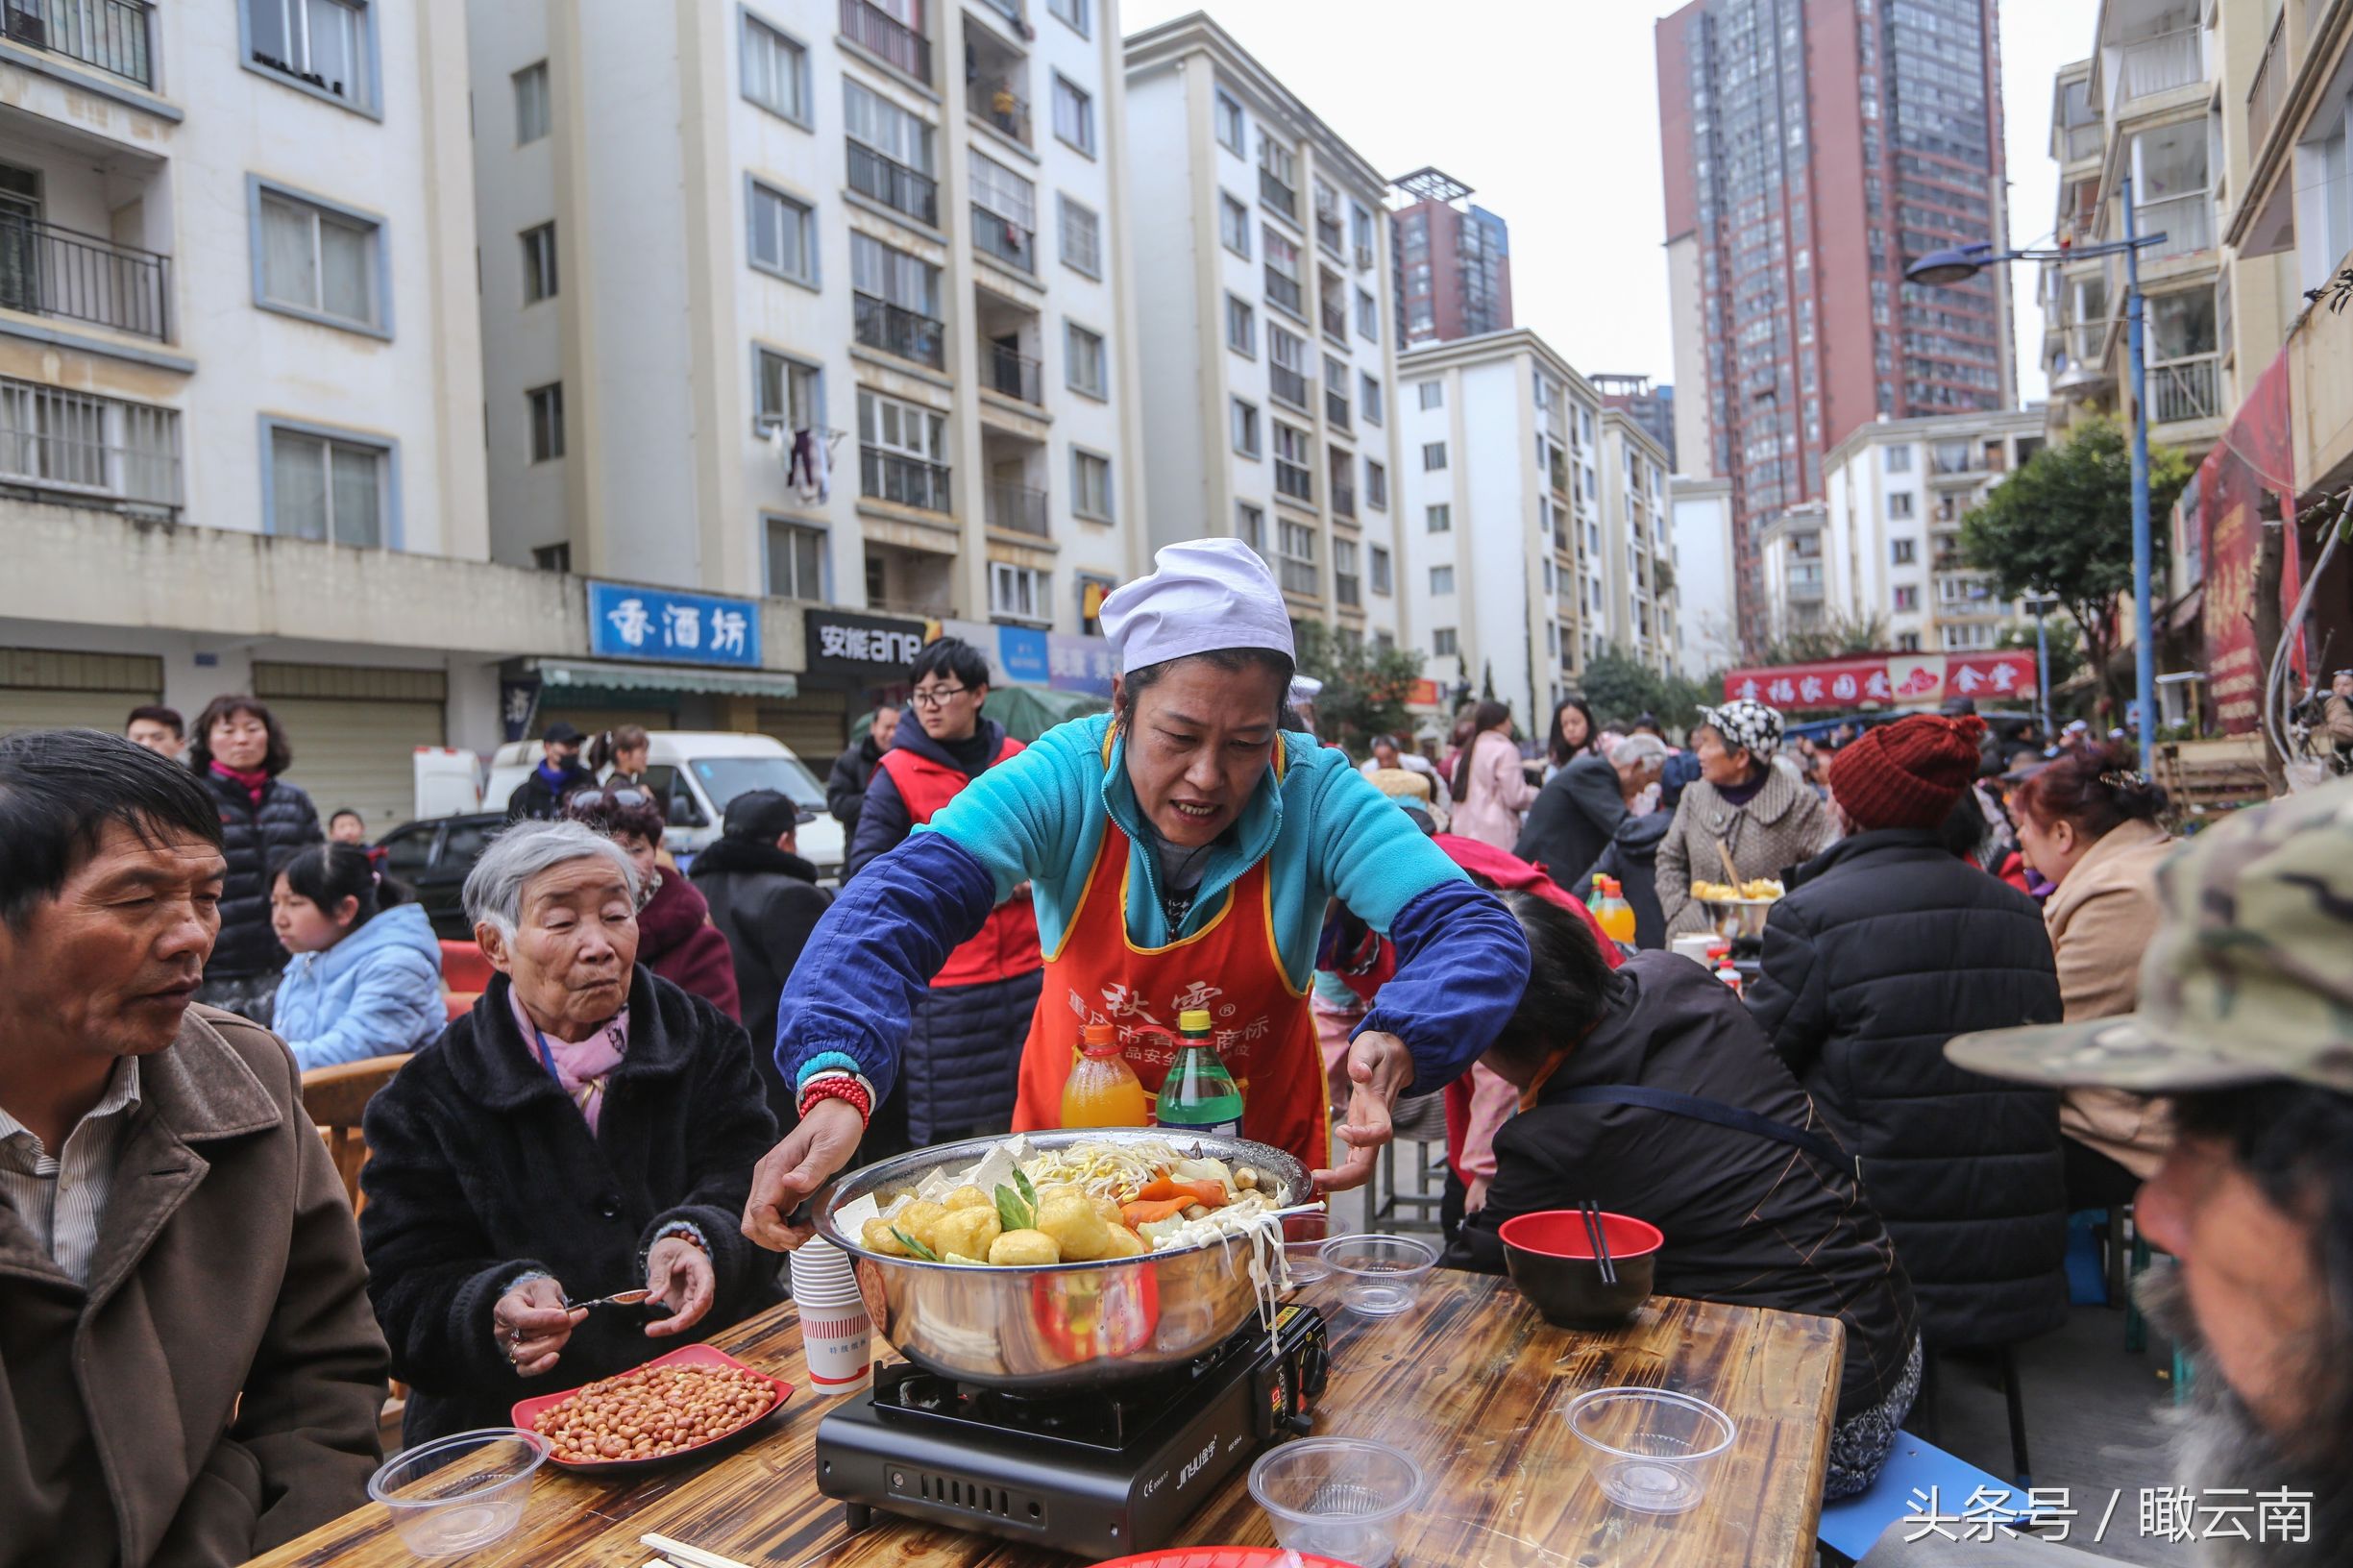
[1750,1217]
[585,1129]
[1182,850]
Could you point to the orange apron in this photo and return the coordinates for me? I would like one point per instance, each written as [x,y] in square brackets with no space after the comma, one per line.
[1232,967]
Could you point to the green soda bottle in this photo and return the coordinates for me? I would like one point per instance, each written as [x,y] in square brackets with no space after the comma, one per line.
[1199,1096]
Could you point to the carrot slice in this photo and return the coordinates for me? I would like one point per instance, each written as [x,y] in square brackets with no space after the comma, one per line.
[1207,1193]
[1146,1212]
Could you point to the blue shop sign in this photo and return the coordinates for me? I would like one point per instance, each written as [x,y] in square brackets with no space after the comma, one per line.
[1079,664]
[629,623]
[1020,652]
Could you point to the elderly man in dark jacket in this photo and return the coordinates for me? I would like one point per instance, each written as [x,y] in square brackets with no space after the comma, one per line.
[765,900]
[1580,807]
[854,770]
[1886,948]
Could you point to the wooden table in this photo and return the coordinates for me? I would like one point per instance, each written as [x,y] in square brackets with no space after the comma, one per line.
[1470,1381]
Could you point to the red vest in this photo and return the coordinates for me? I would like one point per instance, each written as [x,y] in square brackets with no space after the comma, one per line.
[1008,944]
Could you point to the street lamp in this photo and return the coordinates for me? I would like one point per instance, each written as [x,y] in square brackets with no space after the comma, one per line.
[2040,608]
[1963,263]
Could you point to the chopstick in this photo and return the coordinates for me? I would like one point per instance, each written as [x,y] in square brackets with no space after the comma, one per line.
[683,1555]
[1599,1235]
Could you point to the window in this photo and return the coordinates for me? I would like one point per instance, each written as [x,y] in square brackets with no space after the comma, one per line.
[552,557]
[539,264]
[1442,579]
[1288,374]
[324,48]
[321,262]
[1073,116]
[1296,552]
[902,449]
[1368,316]
[1234,225]
[1230,124]
[1440,519]
[783,235]
[1283,288]
[1335,391]
[1245,423]
[1082,237]
[788,391]
[530,102]
[1381,570]
[1241,326]
[547,421]
[1293,476]
[1442,642]
[796,561]
[326,488]
[1900,504]
[1083,361]
[1019,593]
[1346,586]
[1250,527]
[1907,599]
[776,71]
[1902,552]
[1278,175]
[1072,12]
[1898,459]
[1433,456]
[1376,486]
[1004,213]
[1361,231]
[1907,641]
[898,304]
[1091,485]
[1368,396]
[1433,393]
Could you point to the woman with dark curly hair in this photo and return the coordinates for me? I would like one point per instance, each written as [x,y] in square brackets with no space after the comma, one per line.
[238,751]
[676,937]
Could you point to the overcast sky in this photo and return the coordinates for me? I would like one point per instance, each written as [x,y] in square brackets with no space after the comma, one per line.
[1549,110]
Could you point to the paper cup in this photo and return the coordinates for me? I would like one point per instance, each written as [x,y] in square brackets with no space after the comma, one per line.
[837,1344]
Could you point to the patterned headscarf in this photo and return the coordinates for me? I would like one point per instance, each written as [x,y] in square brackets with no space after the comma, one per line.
[1751,725]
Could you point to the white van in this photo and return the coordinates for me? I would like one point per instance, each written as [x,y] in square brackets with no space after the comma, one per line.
[701,771]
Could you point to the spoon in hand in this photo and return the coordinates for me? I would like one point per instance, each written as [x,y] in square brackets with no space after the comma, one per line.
[620,1298]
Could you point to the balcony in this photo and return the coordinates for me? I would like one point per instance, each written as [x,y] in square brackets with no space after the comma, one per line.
[1278,195]
[2185,389]
[1335,406]
[1283,292]
[2187,223]
[78,450]
[2086,141]
[1804,585]
[1343,499]
[1287,385]
[1293,480]
[902,480]
[1329,234]
[1011,375]
[888,38]
[2263,99]
[998,236]
[2161,63]
[1332,308]
[895,185]
[1014,509]
[897,329]
[991,99]
[49,271]
[115,36]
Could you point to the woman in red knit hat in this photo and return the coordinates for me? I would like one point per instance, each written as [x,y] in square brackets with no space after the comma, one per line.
[1887,946]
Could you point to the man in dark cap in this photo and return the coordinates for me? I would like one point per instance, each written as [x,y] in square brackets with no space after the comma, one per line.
[541,797]
[765,900]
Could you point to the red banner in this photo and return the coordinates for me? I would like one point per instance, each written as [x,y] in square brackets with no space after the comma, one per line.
[1422,694]
[1887,680]
[2231,484]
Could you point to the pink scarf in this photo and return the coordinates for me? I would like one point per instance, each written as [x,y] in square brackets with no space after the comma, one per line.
[583,1066]
[255,781]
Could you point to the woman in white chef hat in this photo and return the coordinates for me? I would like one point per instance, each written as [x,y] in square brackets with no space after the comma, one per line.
[1180,851]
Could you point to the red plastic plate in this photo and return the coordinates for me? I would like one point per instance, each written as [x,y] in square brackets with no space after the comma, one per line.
[528,1411]
[1219,1557]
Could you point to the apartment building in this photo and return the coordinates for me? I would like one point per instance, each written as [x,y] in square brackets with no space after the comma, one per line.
[1651,407]
[1708,630]
[1453,262]
[240,396]
[820,302]
[1266,339]
[1884,543]
[1520,560]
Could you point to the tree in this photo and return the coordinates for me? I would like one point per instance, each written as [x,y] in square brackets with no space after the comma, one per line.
[2063,647]
[1619,688]
[2061,527]
[1366,687]
[1836,638]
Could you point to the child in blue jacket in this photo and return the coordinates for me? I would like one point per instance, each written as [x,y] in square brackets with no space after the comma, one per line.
[365,979]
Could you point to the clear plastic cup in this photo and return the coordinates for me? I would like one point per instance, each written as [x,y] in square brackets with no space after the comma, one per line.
[1303,1247]
[460,1493]
[1649,1448]
[1379,1275]
[1342,1498]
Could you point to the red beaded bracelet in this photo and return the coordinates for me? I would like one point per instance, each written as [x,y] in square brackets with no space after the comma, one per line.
[847,1089]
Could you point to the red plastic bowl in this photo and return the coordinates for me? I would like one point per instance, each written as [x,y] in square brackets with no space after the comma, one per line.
[528,1411]
[1551,1260]
[1218,1557]
[1561,1233]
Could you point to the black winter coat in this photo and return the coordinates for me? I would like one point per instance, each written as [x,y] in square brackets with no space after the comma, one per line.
[764,903]
[1633,857]
[845,786]
[536,800]
[255,839]
[481,1168]
[1748,1220]
[1886,948]
[1570,824]
[884,821]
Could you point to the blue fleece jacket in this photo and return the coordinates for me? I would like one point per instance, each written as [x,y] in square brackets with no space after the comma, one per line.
[376,993]
[1324,831]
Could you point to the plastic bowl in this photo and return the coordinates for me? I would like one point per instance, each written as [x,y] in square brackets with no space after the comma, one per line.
[1303,1247]
[1650,1446]
[1336,1497]
[459,1493]
[1551,1260]
[1379,1275]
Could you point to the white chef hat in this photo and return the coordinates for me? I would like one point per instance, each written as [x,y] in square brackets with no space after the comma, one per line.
[1203,595]
[1304,690]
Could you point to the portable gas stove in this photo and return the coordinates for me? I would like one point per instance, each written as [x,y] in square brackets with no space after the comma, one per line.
[1098,1471]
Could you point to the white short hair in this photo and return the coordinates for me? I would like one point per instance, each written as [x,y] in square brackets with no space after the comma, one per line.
[494,888]
[1639,751]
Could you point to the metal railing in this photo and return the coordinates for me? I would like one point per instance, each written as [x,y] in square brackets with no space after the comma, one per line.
[81,450]
[1013,375]
[902,480]
[1016,508]
[1335,406]
[1005,240]
[894,328]
[1293,480]
[886,37]
[2162,62]
[116,35]
[1282,291]
[49,271]
[2185,389]
[2263,98]
[991,98]
[1287,385]
[894,184]
[2187,223]
[1278,195]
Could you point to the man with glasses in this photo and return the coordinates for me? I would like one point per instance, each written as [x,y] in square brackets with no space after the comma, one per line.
[965,1051]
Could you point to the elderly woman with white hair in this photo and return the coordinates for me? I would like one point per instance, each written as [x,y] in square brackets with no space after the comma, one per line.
[1580,806]
[588,1128]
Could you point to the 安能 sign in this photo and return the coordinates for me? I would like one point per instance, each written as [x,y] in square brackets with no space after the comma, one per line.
[874,648]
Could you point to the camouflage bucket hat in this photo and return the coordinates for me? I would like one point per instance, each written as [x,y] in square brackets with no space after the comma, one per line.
[2250,976]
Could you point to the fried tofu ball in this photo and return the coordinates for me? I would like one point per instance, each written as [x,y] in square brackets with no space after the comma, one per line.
[1023,1249]
[967,1230]
[921,1219]
[1078,1229]
[1124,1243]
[877,1237]
[970,1197]
[1109,1208]
[1060,1189]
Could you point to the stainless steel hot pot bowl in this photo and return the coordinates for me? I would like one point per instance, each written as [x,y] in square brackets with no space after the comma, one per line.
[1065,1325]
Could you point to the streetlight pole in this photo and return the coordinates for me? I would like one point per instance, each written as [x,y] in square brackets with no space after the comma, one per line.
[2042,664]
[2144,631]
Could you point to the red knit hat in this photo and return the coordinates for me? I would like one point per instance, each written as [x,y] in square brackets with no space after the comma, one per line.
[1909,773]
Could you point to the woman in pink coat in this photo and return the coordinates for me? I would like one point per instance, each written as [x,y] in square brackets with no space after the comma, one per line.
[1491,790]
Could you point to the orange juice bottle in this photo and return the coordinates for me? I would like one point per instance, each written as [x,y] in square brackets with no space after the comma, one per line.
[1102,1090]
[1616,914]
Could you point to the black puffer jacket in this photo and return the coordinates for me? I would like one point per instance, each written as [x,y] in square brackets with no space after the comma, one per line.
[1633,857]
[481,1168]
[764,903]
[1885,948]
[255,839]
[1747,1220]
[845,786]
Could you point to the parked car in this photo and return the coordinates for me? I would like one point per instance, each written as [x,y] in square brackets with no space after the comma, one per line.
[433,857]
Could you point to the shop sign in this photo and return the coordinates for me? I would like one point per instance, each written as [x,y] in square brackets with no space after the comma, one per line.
[1079,664]
[1021,654]
[2228,521]
[1887,680]
[518,701]
[631,622]
[874,648]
